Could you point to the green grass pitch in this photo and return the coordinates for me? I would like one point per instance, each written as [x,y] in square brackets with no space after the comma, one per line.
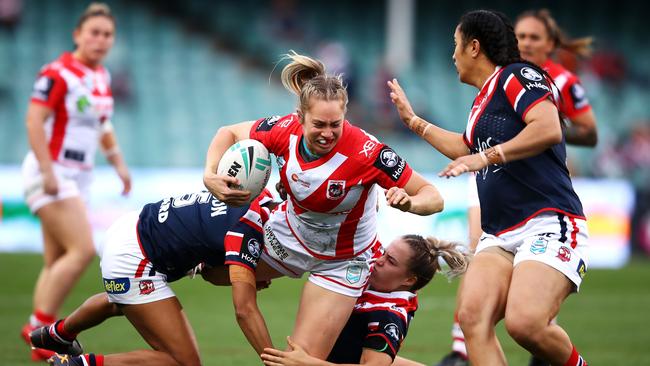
[608,321]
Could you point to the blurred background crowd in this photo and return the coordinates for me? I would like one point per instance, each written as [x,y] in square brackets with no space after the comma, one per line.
[182,69]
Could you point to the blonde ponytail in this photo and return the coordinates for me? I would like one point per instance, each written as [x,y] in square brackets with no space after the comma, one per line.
[306,78]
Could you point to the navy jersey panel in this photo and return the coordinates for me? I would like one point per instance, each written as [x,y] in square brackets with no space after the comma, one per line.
[180,232]
[379,330]
[511,193]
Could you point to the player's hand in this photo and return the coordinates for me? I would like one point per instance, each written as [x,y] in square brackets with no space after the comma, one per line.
[220,187]
[125,177]
[398,198]
[281,190]
[295,356]
[398,97]
[50,184]
[464,164]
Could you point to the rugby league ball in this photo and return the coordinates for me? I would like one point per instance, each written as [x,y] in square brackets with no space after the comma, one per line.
[248,161]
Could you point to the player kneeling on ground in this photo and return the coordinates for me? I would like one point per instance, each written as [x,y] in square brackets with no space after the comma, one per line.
[143,253]
[381,316]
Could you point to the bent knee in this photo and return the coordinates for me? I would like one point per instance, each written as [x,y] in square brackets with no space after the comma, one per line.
[471,318]
[524,330]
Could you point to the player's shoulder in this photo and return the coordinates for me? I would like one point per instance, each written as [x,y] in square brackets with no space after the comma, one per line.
[281,124]
[359,145]
[523,71]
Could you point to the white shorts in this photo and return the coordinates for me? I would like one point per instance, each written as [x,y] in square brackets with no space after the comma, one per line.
[73,182]
[346,276]
[553,239]
[127,274]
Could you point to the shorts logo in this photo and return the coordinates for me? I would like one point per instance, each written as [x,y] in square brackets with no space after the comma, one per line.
[117,285]
[582,269]
[146,287]
[353,274]
[254,247]
[531,74]
[392,330]
[539,246]
[335,189]
[563,254]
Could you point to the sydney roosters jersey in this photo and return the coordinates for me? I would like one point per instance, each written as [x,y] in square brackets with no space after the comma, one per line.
[379,322]
[332,205]
[180,232]
[81,100]
[574,99]
[512,193]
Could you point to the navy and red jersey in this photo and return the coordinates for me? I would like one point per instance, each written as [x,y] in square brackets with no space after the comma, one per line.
[574,99]
[332,205]
[379,322]
[512,193]
[178,233]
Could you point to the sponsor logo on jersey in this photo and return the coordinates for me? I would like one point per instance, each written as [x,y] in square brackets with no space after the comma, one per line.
[531,74]
[392,330]
[537,85]
[335,189]
[353,273]
[42,88]
[274,243]
[582,268]
[117,285]
[146,287]
[296,178]
[368,147]
[538,246]
[564,254]
[254,247]
[268,123]
[82,104]
[390,163]
[579,96]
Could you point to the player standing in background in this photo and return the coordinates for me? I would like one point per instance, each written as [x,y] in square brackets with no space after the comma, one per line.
[534,231]
[539,37]
[332,172]
[69,114]
[379,323]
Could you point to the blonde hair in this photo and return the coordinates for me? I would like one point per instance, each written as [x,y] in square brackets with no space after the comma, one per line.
[306,78]
[95,10]
[426,252]
[577,46]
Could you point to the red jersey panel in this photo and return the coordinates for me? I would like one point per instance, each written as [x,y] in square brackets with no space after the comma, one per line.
[332,202]
[574,99]
[81,100]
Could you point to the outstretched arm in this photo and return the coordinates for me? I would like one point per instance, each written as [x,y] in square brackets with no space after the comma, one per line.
[249,317]
[418,196]
[296,356]
[448,143]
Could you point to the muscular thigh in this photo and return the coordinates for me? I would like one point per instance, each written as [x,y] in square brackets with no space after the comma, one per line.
[66,223]
[485,285]
[536,291]
[321,317]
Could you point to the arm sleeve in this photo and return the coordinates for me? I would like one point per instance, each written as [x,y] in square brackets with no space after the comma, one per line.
[524,87]
[49,89]
[273,132]
[386,331]
[574,99]
[243,246]
[389,169]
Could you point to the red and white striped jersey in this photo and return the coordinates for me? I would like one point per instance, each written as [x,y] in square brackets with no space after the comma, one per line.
[332,205]
[81,100]
[574,99]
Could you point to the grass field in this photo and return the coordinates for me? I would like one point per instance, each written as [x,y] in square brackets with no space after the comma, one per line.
[609,320]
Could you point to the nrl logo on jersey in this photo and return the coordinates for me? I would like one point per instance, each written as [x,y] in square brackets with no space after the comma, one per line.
[531,74]
[335,189]
[254,247]
[392,330]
